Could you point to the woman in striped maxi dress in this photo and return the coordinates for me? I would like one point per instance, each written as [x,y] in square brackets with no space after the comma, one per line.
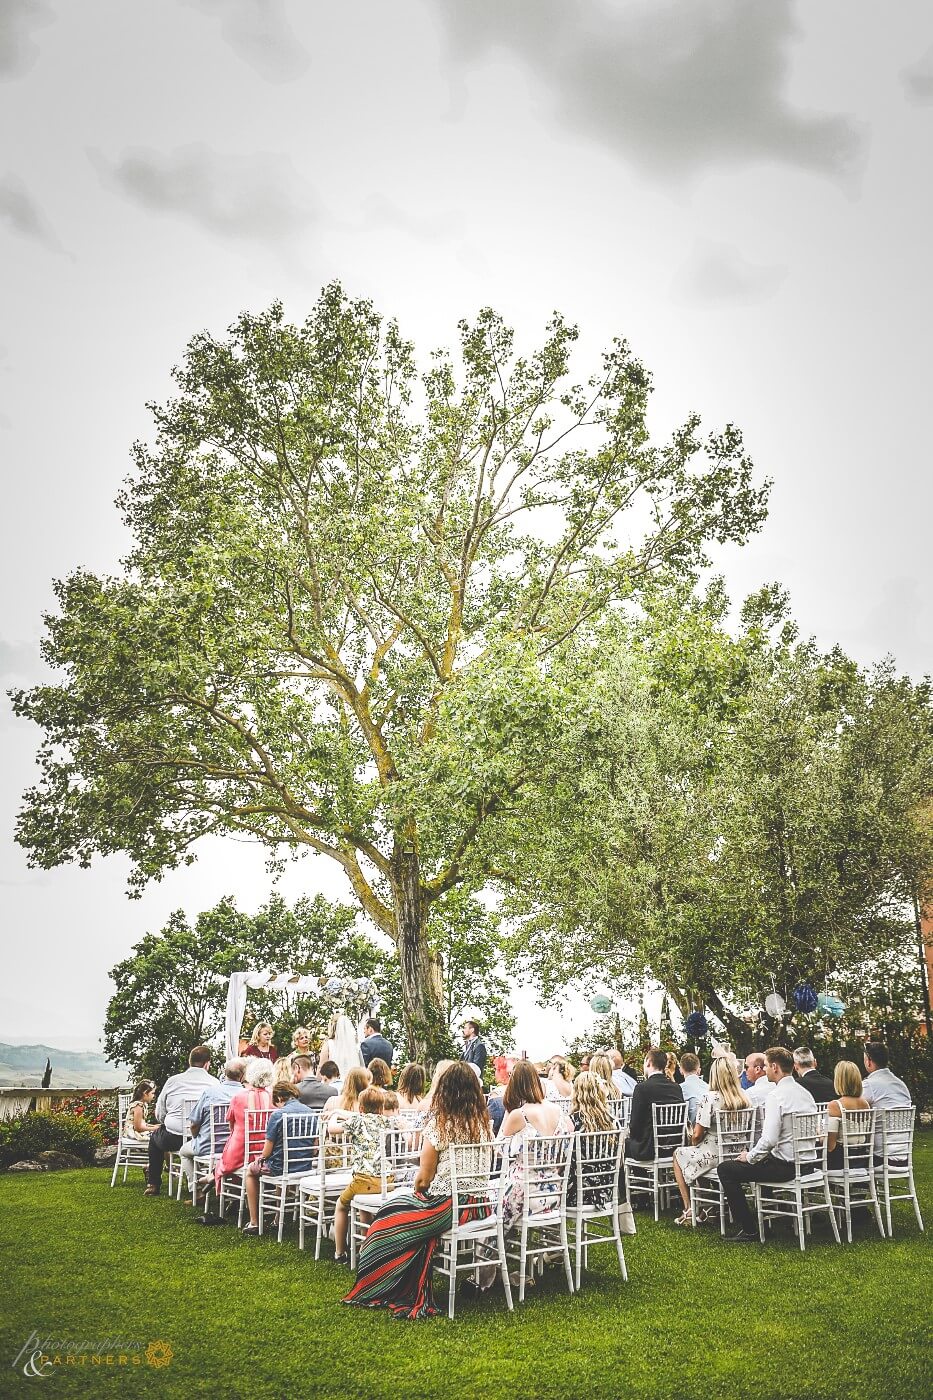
[394,1268]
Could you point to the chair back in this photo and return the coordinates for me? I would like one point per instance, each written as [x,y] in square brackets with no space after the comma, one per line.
[669,1120]
[187,1108]
[401,1152]
[300,1135]
[897,1134]
[809,1141]
[254,1132]
[735,1131]
[598,1161]
[471,1180]
[619,1108]
[857,1138]
[546,1163]
[123,1108]
[218,1128]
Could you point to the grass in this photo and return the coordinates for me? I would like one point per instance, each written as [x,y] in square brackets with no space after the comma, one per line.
[252,1318]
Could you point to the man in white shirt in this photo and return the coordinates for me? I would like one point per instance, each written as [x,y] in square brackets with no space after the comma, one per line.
[772,1157]
[759,1085]
[169,1112]
[620,1076]
[882,1088]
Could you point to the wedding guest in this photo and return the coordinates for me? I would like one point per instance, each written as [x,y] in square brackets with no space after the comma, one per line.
[474,1050]
[601,1065]
[394,1269]
[589,1113]
[702,1156]
[411,1084]
[621,1078]
[655,1088]
[257,1084]
[374,1044]
[818,1085]
[134,1124]
[772,1157]
[271,1160]
[756,1072]
[528,1115]
[881,1088]
[336,1110]
[301,1043]
[364,1134]
[847,1084]
[381,1074]
[672,1069]
[495,1107]
[283,1070]
[694,1086]
[169,1111]
[559,1079]
[316,1091]
[260,1043]
[221,1091]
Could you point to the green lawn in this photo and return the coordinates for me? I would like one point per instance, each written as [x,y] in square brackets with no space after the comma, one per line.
[252,1318]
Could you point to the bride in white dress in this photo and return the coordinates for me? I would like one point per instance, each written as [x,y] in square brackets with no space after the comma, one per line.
[342,1044]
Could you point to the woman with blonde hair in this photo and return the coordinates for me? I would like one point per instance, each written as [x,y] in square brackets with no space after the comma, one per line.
[301,1044]
[601,1065]
[355,1081]
[847,1081]
[559,1078]
[702,1157]
[590,1113]
[260,1043]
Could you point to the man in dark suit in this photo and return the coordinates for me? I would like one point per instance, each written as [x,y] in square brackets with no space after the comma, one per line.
[654,1088]
[817,1085]
[375,1046]
[474,1051]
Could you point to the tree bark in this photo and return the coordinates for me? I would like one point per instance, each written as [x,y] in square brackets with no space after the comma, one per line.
[426,1029]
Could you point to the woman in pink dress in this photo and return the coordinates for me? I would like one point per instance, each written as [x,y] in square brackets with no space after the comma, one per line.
[256,1094]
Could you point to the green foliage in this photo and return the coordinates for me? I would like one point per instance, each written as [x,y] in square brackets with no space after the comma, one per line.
[22,1138]
[335,628]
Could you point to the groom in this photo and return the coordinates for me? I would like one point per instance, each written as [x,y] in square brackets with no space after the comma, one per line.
[375,1046]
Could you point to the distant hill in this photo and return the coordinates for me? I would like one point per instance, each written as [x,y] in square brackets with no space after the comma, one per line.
[84,1069]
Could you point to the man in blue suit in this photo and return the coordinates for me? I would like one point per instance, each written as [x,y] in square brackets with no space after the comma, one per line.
[375,1046]
[474,1051]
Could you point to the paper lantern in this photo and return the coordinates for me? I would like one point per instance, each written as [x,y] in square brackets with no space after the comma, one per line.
[805,998]
[829,1005]
[601,1004]
[696,1025]
[775,1004]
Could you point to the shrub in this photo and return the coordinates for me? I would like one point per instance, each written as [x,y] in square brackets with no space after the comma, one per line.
[97,1106]
[42,1132]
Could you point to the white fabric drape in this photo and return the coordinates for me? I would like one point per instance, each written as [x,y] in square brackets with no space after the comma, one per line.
[236,997]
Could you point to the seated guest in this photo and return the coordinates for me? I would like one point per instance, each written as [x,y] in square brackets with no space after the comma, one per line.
[364,1133]
[394,1269]
[495,1107]
[694,1086]
[381,1074]
[672,1068]
[271,1161]
[254,1094]
[357,1079]
[374,1044]
[702,1157]
[283,1070]
[315,1091]
[654,1088]
[772,1157]
[847,1082]
[411,1084]
[440,1068]
[220,1092]
[756,1072]
[881,1088]
[624,1082]
[822,1088]
[601,1065]
[169,1110]
[584,1064]
[134,1124]
[589,1113]
[260,1043]
[559,1083]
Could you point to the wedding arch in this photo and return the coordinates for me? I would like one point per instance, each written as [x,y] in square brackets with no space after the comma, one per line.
[357,995]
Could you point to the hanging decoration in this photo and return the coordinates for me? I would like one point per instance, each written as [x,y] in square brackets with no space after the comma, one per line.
[805,998]
[601,1004]
[830,1005]
[696,1025]
[775,1005]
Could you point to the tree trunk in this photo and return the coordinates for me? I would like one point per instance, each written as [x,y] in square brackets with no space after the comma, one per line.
[426,1030]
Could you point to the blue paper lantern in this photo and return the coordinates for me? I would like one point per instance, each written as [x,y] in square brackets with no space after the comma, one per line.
[805,998]
[829,1005]
[696,1025]
[601,1004]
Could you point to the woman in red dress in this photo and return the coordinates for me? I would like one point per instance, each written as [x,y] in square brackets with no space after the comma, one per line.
[260,1043]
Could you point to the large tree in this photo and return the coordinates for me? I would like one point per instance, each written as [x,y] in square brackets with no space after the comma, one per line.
[727,808]
[346,587]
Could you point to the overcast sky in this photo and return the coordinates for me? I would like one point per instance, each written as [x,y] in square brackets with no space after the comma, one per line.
[742,188]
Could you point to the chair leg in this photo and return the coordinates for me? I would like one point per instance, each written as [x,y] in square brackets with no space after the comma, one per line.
[761,1214]
[452,1294]
[579,1249]
[565,1247]
[116,1168]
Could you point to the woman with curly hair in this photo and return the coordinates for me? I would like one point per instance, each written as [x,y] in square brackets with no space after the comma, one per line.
[601,1065]
[395,1261]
